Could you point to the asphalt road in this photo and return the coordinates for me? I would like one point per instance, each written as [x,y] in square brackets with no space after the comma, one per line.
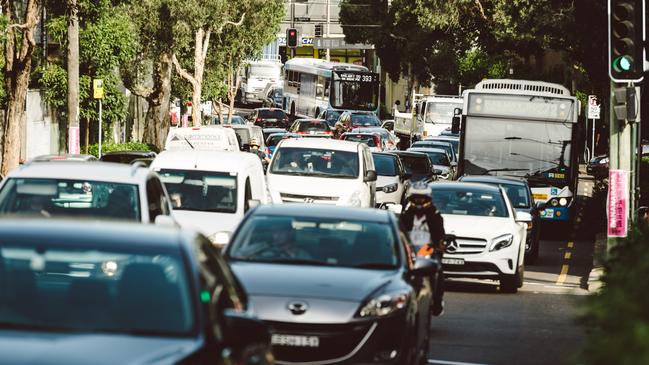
[535,326]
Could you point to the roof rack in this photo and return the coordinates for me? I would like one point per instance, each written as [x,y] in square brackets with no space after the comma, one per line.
[523,85]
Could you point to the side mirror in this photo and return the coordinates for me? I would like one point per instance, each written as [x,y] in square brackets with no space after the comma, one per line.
[540,206]
[165,221]
[523,217]
[425,267]
[243,331]
[370,176]
[457,119]
[253,203]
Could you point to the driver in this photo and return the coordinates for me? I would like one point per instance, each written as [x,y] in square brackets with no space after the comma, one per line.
[285,246]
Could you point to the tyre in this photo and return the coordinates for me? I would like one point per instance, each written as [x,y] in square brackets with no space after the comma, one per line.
[511,283]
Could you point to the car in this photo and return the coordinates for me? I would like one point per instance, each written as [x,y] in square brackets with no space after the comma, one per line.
[359,119]
[268,131]
[372,140]
[323,171]
[330,116]
[417,165]
[389,141]
[127,157]
[207,138]
[454,141]
[245,133]
[598,167]
[235,120]
[90,190]
[487,234]
[446,145]
[64,157]
[114,293]
[388,124]
[440,160]
[393,182]
[521,198]
[270,117]
[311,127]
[274,139]
[351,291]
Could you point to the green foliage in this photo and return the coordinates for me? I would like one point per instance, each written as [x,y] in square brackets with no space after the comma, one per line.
[3,92]
[617,316]
[93,149]
[53,81]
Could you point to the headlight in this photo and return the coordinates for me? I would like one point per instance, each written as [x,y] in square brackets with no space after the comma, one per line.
[501,242]
[220,238]
[390,188]
[384,305]
[563,202]
[603,161]
[554,202]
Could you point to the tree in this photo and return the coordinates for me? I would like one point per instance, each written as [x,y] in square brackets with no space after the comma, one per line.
[19,48]
[73,70]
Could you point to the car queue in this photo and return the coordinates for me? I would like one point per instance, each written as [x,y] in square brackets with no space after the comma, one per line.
[249,277]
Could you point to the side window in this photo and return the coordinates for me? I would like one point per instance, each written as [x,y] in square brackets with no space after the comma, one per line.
[155,197]
[247,197]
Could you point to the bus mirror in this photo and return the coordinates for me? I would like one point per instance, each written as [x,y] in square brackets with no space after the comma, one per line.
[455,126]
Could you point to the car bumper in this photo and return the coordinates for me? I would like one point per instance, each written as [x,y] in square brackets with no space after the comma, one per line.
[382,197]
[379,342]
[556,214]
[486,265]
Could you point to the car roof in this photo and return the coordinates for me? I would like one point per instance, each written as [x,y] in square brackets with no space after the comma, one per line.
[221,161]
[300,120]
[61,157]
[409,154]
[324,211]
[130,153]
[433,142]
[385,154]
[334,144]
[489,179]
[465,185]
[425,149]
[274,130]
[269,109]
[89,171]
[442,138]
[361,134]
[104,234]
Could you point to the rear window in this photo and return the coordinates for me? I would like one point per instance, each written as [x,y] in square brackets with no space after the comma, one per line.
[518,195]
[271,114]
[469,201]
[415,165]
[385,165]
[313,126]
[273,140]
[365,120]
[368,139]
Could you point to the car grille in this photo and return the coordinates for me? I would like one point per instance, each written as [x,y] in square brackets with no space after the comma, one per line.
[466,246]
[336,342]
[295,198]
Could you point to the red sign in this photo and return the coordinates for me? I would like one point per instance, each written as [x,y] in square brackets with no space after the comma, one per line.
[74,147]
[618,203]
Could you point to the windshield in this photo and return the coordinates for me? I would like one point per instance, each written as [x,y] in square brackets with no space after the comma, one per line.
[260,71]
[271,114]
[440,113]
[533,149]
[354,91]
[316,241]
[203,191]
[312,126]
[242,135]
[315,162]
[65,198]
[368,139]
[469,201]
[436,158]
[415,165]
[91,289]
[385,165]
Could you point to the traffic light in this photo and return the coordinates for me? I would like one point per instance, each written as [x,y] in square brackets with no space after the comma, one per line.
[291,37]
[626,40]
[318,31]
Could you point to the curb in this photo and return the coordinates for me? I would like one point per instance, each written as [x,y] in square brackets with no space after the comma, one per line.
[599,255]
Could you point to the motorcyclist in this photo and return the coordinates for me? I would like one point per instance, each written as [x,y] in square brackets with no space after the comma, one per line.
[254,148]
[425,226]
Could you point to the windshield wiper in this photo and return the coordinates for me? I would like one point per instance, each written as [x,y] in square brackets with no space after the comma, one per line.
[297,261]
[375,265]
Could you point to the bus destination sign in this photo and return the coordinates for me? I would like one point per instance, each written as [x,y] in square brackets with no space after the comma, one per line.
[362,77]
[521,106]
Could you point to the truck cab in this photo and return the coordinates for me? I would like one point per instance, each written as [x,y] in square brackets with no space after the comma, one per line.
[433,114]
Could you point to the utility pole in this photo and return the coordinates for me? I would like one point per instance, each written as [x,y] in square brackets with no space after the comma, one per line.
[292,25]
[327,29]
[73,78]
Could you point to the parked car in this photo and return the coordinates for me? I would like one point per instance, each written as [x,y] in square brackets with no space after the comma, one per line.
[393,182]
[270,117]
[372,140]
[311,127]
[359,119]
[91,190]
[107,293]
[351,290]
[598,167]
[440,160]
[63,157]
[520,196]
[128,157]
[488,234]
[323,171]
[417,165]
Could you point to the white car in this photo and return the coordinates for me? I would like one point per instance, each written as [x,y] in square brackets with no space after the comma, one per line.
[209,138]
[392,182]
[322,171]
[489,235]
[211,191]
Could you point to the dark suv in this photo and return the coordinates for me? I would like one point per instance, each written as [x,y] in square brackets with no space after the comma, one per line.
[270,117]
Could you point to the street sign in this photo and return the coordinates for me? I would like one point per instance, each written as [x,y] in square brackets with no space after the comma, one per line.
[73,141]
[98,89]
[302,19]
[594,108]
[617,208]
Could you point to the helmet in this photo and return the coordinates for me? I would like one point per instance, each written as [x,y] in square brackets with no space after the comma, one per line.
[253,142]
[419,196]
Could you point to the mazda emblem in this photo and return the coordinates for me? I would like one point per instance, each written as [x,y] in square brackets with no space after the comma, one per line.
[298,307]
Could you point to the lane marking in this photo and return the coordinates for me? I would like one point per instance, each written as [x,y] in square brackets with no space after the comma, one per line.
[443,362]
[563,275]
[568,255]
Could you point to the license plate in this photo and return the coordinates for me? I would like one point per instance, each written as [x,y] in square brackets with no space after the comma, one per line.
[295,341]
[452,261]
[549,213]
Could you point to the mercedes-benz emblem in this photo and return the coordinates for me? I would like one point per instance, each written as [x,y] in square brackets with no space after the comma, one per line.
[452,246]
[298,307]
[309,200]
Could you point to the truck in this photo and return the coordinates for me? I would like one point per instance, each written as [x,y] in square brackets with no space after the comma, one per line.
[257,76]
[433,114]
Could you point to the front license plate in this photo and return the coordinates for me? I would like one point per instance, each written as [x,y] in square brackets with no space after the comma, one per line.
[452,261]
[549,213]
[295,341]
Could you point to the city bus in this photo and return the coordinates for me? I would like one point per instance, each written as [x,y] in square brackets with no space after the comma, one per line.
[314,85]
[525,129]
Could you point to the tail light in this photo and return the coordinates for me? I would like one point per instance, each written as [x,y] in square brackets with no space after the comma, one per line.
[267,151]
[258,120]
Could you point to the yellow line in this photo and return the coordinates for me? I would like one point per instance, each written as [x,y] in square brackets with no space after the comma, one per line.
[568,255]
[563,275]
[571,244]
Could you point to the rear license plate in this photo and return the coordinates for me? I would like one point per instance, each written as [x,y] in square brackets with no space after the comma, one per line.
[453,261]
[294,341]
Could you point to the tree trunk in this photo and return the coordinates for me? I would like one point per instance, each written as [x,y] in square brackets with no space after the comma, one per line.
[157,119]
[17,96]
[73,69]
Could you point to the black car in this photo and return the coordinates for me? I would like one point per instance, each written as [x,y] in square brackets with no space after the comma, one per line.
[270,117]
[128,157]
[105,293]
[417,165]
[520,195]
[598,167]
[335,284]
[446,145]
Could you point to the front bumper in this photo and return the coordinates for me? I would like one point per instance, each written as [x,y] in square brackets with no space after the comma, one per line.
[394,197]
[484,265]
[556,214]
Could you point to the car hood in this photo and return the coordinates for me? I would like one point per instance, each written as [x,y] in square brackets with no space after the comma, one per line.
[37,348]
[312,186]
[207,223]
[471,226]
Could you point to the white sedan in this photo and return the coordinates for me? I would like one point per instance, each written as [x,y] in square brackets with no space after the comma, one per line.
[487,234]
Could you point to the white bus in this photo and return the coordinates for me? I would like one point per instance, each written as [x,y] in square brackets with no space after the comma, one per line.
[313,85]
[257,75]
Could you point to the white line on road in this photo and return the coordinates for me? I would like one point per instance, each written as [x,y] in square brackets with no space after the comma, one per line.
[442,362]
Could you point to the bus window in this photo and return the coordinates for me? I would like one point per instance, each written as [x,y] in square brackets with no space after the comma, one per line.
[327,87]
[319,88]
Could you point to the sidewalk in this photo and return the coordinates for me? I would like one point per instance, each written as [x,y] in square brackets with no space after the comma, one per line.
[599,255]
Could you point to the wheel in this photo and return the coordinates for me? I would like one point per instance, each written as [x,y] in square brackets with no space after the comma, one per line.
[511,283]
[533,255]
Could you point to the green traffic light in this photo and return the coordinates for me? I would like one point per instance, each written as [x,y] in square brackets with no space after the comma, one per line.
[623,64]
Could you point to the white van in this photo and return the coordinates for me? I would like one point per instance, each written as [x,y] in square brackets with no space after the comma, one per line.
[323,171]
[209,138]
[211,190]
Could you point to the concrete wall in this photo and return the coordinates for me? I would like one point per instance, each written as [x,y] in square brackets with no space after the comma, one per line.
[40,133]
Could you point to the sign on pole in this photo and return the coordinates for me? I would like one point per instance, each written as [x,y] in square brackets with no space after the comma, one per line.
[98,89]
[594,108]
[618,203]
[73,141]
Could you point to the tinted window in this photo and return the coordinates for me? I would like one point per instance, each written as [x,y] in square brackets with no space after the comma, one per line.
[332,117]
[331,242]
[368,139]
[518,195]
[52,197]
[273,140]
[156,200]
[416,165]
[271,114]
[243,135]
[308,126]
[385,165]
[441,145]
[315,162]
[92,289]
[365,120]
[201,190]
[436,158]
[469,201]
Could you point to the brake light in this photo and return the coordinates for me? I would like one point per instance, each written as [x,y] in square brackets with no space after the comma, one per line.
[258,120]
[196,128]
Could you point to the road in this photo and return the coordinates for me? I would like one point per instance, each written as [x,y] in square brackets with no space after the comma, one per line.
[536,326]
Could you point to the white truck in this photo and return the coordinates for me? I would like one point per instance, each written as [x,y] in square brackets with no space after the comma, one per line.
[433,115]
[257,75]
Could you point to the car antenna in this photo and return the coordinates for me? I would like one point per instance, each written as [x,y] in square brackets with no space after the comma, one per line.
[189,143]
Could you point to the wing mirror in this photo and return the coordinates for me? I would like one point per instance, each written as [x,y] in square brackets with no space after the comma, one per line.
[425,267]
[523,217]
[457,119]
[370,176]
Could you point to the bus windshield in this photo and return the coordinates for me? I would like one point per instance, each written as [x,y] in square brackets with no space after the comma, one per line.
[536,150]
[354,91]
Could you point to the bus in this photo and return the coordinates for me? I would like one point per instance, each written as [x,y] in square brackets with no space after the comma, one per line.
[314,85]
[526,129]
